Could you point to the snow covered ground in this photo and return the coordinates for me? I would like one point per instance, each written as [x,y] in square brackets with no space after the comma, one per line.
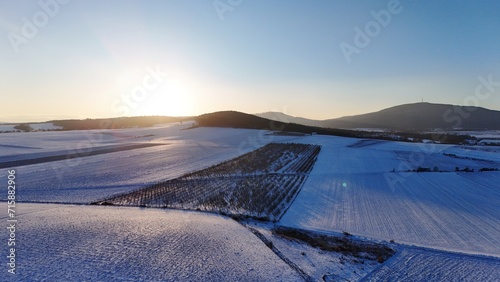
[359,186]
[35,126]
[425,265]
[7,127]
[92,178]
[315,262]
[27,144]
[90,243]
[480,134]
[351,188]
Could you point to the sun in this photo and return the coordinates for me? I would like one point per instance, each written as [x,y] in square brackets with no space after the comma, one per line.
[170,98]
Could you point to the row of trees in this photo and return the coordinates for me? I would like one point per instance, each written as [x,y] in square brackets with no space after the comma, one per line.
[251,185]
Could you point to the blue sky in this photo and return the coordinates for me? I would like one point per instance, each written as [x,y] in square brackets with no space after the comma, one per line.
[92,58]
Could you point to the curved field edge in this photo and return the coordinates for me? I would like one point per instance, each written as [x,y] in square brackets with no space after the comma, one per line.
[348,191]
[419,264]
[95,243]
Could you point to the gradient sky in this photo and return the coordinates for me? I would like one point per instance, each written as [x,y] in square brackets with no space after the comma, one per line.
[260,56]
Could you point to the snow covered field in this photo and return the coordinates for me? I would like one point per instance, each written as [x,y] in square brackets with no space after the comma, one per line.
[350,189]
[89,243]
[425,265]
[359,186]
[35,126]
[92,178]
[29,144]
[315,262]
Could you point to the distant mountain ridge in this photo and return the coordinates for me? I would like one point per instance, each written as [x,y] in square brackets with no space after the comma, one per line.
[277,116]
[114,123]
[417,116]
[233,119]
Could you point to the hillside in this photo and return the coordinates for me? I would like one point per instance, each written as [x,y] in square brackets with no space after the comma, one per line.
[417,116]
[234,119]
[291,119]
[114,123]
[421,116]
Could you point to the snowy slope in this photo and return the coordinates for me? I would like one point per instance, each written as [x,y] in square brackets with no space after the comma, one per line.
[93,178]
[316,263]
[35,126]
[89,243]
[358,186]
[426,265]
[7,127]
[349,190]
[22,145]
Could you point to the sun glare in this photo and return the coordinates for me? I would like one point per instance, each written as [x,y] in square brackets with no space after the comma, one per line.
[170,99]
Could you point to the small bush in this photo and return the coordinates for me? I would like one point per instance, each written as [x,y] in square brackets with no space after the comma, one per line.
[423,169]
[488,169]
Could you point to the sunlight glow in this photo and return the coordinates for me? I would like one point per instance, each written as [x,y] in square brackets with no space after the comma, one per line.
[170,99]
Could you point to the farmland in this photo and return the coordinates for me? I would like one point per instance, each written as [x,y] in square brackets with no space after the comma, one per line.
[259,184]
[425,265]
[455,211]
[91,178]
[91,243]
[328,185]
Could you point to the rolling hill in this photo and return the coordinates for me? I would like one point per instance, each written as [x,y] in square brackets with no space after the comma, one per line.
[287,118]
[120,122]
[417,116]
[233,119]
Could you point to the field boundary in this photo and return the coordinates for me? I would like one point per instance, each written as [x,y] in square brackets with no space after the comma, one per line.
[69,155]
[260,184]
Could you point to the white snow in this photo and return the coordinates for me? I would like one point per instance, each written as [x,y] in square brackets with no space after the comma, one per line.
[26,145]
[7,127]
[489,142]
[425,265]
[93,178]
[315,262]
[34,126]
[350,190]
[358,186]
[91,243]
[480,134]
